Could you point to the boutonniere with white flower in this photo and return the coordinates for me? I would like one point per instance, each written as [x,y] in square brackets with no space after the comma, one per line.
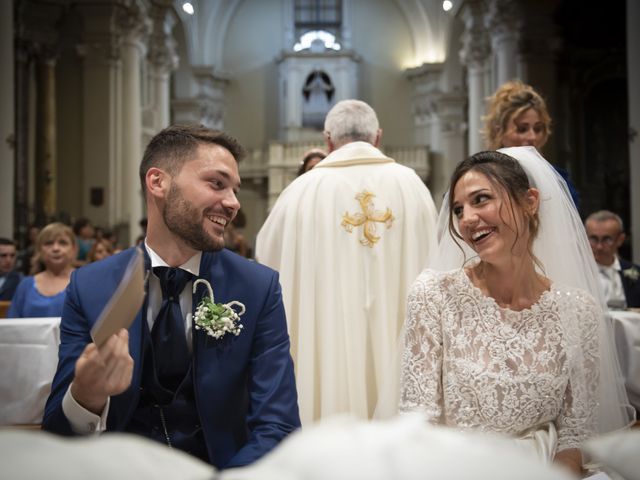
[217,319]
[632,273]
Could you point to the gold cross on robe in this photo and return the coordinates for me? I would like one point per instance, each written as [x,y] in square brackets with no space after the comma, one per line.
[367,219]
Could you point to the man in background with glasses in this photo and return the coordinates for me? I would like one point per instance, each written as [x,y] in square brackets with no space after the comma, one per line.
[620,278]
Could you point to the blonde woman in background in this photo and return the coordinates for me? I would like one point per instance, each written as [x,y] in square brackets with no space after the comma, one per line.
[43,293]
[100,249]
[517,116]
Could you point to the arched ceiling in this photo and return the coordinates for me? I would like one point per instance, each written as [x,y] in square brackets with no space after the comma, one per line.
[206,30]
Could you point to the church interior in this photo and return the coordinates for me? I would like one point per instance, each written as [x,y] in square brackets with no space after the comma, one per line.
[86,84]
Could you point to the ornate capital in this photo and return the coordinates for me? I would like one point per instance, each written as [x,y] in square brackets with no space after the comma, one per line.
[211,85]
[207,111]
[426,89]
[105,52]
[504,19]
[451,110]
[475,40]
[162,46]
[133,24]
[475,49]
[37,33]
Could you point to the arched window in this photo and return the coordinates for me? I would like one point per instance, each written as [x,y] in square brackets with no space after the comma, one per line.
[318,20]
[318,92]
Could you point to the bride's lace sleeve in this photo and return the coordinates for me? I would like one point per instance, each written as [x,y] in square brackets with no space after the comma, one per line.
[421,384]
[577,419]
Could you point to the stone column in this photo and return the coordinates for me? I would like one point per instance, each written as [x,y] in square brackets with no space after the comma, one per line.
[426,90]
[100,171]
[45,145]
[633,80]
[133,29]
[7,121]
[504,21]
[37,38]
[24,53]
[450,108]
[207,106]
[163,60]
[537,60]
[474,55]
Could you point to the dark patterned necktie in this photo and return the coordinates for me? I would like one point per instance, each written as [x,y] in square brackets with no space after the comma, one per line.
[170,349]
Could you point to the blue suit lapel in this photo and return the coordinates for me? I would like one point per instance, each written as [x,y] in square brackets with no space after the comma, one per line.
[211,271]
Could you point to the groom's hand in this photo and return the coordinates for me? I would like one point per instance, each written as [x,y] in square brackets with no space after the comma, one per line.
[101,373]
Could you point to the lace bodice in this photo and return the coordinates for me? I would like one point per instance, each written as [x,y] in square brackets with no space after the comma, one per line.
[471,364]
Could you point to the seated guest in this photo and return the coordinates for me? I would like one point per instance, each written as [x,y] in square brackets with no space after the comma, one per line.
[233,239]
[111,237]
[100,249]
[311,159]
[505,333]
[620,278]
[9,277]
[43,294]
[85,235]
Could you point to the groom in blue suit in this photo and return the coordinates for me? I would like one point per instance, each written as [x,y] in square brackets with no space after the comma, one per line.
[226,400]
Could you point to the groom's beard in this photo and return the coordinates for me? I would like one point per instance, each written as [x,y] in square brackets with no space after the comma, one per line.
[187,222]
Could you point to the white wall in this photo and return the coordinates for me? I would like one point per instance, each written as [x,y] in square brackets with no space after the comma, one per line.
[252,43]
[379,34]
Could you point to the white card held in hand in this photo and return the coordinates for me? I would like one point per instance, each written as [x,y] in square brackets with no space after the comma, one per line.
[122,308]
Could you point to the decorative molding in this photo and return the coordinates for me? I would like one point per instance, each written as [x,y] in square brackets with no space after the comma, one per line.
[426,89]
[320,55]
[451,110]
[37,33]
[98,53]
[475,40]
[162,45]
[504,19]
[133,25]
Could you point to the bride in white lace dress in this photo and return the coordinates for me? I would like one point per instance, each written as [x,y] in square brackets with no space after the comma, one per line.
[509,343]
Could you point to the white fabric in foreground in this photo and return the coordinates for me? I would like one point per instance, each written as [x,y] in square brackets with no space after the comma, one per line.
[626,329]
[28,355]
[37,455]
[617,453]
[345,301]
[406,448]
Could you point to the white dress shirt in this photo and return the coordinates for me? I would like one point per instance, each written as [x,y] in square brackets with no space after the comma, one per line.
[612,284]
[82,420]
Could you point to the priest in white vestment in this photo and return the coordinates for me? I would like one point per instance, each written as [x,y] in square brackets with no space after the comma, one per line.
[348,238]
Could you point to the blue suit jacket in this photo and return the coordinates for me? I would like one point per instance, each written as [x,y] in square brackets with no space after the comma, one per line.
[244,386]
[631,286]
[8,288]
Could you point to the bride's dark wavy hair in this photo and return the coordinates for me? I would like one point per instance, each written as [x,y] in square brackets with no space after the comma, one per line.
[507,175]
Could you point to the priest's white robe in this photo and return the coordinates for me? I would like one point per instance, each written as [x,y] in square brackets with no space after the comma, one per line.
[345,292]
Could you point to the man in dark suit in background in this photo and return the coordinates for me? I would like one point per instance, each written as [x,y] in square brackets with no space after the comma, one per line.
[619,277]
[9,277]
[225,400]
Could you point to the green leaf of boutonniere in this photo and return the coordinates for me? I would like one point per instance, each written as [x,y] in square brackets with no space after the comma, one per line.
[217,319]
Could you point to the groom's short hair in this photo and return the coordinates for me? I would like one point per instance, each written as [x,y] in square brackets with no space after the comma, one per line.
[176,144]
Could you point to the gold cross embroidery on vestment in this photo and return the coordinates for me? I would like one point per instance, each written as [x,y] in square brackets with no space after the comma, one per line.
[367,219]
